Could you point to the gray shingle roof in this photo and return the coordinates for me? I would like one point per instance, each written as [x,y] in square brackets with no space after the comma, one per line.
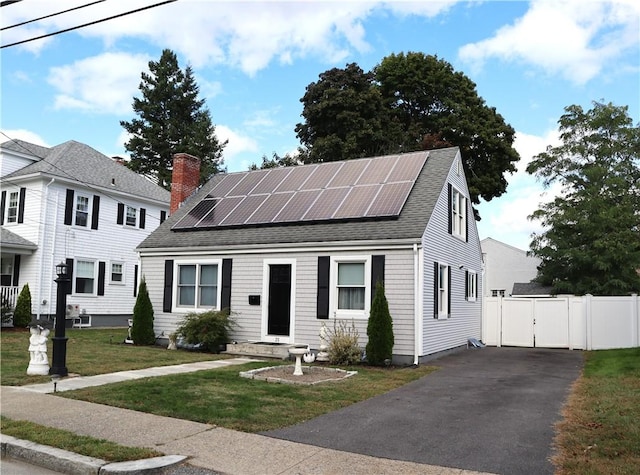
[410,224]
[79,162]
[531,288]
[9,239]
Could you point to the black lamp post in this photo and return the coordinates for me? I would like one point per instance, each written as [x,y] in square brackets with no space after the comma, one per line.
[59,366]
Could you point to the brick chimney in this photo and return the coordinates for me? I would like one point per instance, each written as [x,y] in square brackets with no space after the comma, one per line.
[185,179]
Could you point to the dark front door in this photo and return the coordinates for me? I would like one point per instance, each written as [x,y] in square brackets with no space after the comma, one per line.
[279,318]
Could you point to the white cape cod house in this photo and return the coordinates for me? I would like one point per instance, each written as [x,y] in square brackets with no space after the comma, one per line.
[288,249]
[72,204]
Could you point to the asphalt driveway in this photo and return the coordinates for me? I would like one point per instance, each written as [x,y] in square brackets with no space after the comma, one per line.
[490,410]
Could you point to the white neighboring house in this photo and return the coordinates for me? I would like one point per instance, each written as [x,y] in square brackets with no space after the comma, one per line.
[72,204]
[504,266]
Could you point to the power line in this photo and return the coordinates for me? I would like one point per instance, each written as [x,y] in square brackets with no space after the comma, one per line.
[88,24]
[6,3]
[51,15]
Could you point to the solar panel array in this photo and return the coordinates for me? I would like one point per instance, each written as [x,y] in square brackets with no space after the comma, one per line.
[364,188]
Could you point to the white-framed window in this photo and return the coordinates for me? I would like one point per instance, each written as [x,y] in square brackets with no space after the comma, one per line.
[85,277]
[12,207]
[458,214]
[442,290]
[351,287]
[472,286]
[131,218]
[497,292]
[116,275]
[82,211]
[197,285]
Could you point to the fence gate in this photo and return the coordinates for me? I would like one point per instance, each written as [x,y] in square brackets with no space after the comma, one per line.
[531,322]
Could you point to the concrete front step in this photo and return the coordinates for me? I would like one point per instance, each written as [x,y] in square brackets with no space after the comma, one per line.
[260,349]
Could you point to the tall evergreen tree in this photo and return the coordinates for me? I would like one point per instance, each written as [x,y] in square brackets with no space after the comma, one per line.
[171,119]
[22,313]
[592,239]
[379,329]
[142,332]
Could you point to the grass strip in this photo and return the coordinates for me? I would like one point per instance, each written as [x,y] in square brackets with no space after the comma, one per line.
[600,432]
[221,397]
[79,444]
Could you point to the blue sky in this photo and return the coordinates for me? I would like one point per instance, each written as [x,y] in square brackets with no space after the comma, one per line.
[253,60]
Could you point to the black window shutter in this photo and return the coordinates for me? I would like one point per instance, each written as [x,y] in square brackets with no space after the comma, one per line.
[225,297]
[476,284]
[23,192]
[69,263]
[2,203]
[466,285]
[450,205]
[167,302]
[143,217]
[436,290]
[323,287]
[135,280]
[120,219]
[96,212]
[16,270]
[377,273]
[101,271]
[468,215]
[448,291]
[163,216]
[68,208]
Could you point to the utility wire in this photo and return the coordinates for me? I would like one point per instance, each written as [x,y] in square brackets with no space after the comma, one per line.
[87,24]
[6,3]
[51,15]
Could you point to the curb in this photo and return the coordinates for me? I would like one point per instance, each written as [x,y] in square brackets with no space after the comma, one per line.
[71,463]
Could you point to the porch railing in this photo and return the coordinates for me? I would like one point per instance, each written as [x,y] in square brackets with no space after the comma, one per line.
[9,296]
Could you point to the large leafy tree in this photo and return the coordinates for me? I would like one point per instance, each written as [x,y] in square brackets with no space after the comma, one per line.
[408,102]
[344,117]
[171,119]
[592,238]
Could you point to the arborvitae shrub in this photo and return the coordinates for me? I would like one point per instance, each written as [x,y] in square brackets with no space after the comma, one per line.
[142,329]
[379,330]
[22,312]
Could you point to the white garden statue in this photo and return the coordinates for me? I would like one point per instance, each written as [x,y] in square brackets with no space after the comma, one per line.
[38,361]
[324,339]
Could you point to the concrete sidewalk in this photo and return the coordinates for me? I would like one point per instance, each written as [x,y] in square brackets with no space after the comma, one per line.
[211,447]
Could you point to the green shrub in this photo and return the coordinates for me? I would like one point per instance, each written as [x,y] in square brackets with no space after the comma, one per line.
[22,312]
[343,345]
[209,329]
[379,330]
[142,329]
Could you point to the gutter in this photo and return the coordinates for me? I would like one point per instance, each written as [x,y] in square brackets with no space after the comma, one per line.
[416,305]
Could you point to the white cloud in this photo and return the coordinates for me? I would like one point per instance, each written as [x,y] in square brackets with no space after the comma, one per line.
[22,134]
[238,145]
[103,84]
[575,39]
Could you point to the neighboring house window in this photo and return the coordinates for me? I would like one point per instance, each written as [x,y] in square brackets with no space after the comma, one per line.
[197,285]
[85,277]
[12,207]
[442,290]
[458,214]
[6,270]
[472,286]
[117,273]
[82,211]
[497,293]
[132,215]
[351,283]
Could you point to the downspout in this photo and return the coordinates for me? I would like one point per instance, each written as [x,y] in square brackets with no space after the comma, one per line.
[42,240]
[416,304]
[53,250]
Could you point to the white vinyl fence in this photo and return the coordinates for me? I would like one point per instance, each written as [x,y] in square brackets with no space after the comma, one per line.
[584,323]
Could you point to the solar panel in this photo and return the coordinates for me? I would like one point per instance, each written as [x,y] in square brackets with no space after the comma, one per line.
[326,204]
[366,188]
[390,199]
[357,202]
[269,208]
